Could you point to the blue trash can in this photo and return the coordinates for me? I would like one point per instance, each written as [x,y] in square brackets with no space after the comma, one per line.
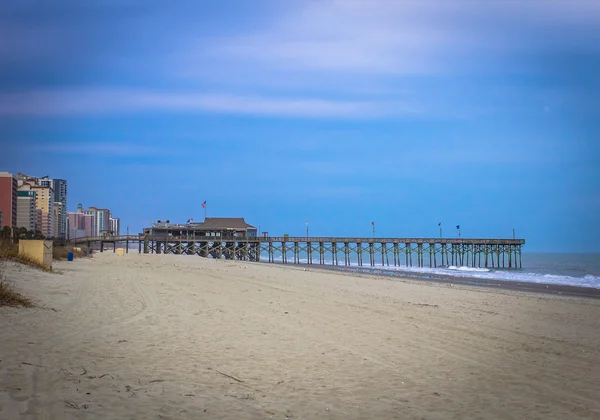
[70,256]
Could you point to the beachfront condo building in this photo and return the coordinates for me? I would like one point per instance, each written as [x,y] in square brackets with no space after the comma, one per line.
[59,212]
[38,218]
[57,227]
[81,225]
[94,221]
[8,199]
[60,196]
[45,203]
[102,220]
[26,210]
[59,186]
[115,225]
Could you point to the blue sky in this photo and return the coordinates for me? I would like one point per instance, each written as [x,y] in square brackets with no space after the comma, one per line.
[339,113]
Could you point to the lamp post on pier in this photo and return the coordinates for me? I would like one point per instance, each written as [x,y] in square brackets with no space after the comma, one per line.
[306,230]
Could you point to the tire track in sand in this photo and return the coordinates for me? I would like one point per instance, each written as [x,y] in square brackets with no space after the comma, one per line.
[143,295]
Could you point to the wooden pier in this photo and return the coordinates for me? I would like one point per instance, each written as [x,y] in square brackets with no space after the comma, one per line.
[408,252]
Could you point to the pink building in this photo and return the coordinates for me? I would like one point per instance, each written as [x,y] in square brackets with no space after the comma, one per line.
[8,199]
[80,225]
[102,218]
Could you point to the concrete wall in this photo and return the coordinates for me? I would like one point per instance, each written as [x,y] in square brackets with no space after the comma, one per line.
[39,250]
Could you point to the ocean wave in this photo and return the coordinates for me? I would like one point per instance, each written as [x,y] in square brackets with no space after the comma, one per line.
[477,273]
[452,267]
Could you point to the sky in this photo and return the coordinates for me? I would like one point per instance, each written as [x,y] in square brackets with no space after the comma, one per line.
[338,113]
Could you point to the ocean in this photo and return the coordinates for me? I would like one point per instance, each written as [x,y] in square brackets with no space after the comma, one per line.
[581,270]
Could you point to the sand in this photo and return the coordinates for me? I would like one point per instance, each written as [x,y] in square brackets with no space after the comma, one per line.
[181,337]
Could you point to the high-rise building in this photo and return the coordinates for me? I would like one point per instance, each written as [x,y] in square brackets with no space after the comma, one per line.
[81,225]
[39,215]
[26,210]
[8,199]
[92,222]
[102,220]
[59,186]
[60,196]
[59,212]
[45,203]
[115,225]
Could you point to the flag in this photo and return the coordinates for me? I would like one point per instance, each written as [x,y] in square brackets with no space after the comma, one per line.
[440,224]
[373,223]
[457,226]
[204,205]
[191,219]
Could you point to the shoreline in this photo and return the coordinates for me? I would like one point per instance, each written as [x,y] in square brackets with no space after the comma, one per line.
[527,287]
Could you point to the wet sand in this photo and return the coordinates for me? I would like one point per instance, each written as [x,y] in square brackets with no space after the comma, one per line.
[178,337]
[553,289]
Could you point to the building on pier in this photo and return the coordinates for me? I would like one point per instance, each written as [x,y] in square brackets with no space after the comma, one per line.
[217,228]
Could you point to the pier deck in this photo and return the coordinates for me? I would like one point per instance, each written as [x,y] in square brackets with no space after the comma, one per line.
[409,252]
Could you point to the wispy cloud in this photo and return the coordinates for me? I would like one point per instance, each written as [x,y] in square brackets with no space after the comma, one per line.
[100,148]
[310,59]
[109,101]
[401,37]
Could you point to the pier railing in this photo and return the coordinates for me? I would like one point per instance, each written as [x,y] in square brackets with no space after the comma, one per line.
[420,252]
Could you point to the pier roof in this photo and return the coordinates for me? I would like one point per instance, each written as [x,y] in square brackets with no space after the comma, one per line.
[223,223]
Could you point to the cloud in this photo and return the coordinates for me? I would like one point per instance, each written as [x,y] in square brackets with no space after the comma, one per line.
[310,59]
[101,148]
[111,101]
[405,37]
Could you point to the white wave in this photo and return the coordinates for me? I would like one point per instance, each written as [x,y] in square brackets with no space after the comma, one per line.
[473,272]
[452,267]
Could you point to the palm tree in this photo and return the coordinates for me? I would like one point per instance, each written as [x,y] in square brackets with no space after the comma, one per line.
[6,233]
[20,233]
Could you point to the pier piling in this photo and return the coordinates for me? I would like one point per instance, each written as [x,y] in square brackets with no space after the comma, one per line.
[494,253]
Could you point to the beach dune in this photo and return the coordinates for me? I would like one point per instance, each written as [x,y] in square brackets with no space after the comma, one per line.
[178,337]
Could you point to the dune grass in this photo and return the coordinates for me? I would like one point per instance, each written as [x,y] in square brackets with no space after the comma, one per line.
[8,295]
[61,253]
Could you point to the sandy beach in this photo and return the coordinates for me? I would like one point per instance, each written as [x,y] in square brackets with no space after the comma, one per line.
[180,337]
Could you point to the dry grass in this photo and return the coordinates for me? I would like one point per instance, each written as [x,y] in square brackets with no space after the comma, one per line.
[8,295]
[10,251]
[61,253]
